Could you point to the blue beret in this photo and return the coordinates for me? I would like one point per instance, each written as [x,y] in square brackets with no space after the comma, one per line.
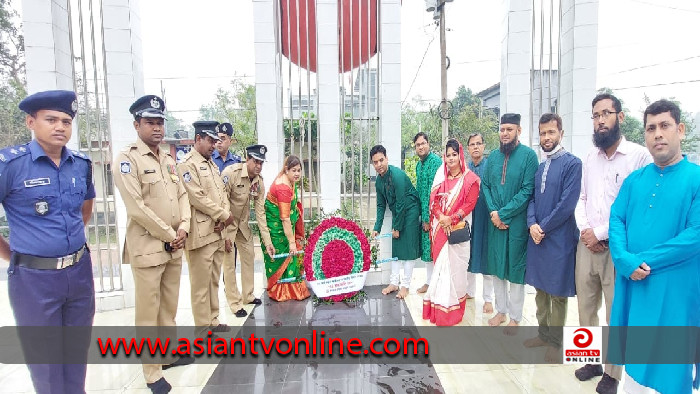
[256,152]
[54,100]
[226,128]
[149,106]
[511,118]
[206,127]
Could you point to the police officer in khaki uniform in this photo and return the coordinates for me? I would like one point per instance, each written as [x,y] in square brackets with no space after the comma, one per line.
[158,222]
[210,217]
[243,184]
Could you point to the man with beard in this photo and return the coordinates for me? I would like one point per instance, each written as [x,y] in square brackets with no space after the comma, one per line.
[210,217]
[551,250]
[507,186]
[425,173]
[605,167]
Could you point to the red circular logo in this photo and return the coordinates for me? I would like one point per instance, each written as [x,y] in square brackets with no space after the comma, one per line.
[584,338]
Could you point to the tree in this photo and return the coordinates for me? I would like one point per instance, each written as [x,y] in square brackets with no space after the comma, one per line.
[12,78]
[236,106]
[464,98]
[467,118]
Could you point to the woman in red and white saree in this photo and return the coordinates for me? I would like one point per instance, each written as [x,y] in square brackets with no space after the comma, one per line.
[452,199]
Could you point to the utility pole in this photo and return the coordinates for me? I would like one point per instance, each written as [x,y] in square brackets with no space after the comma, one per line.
[444,109]
[437,7]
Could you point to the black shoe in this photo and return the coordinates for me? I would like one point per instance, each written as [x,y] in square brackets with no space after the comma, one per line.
[183,360]
[241,313]
[588,372]
[160,386]
[256,301]
[221,328]
[607,385]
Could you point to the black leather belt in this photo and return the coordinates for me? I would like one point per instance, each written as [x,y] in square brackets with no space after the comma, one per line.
[48,263]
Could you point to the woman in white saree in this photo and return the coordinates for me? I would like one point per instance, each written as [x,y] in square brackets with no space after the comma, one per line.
[452,199]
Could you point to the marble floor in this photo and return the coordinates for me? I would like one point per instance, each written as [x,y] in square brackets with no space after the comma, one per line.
[295,378]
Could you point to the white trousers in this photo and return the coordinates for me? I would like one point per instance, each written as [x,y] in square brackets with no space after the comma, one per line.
[429,265]
[509,301]
[407,272]
[488,286]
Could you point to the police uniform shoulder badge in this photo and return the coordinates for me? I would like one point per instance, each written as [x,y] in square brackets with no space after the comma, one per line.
[187,177]
[125,167]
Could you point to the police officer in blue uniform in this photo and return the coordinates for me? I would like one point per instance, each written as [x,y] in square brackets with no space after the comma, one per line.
[222,157]
[48,194]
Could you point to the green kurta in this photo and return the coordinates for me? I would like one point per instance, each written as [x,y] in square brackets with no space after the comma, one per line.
[425,173]
[509,194]
[396,190]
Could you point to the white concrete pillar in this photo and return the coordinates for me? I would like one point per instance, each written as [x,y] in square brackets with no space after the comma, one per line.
[47,48]
[579,57]
[390,105]
[328,103]
[268,87]
[47,45]
[516,61]
[390,79]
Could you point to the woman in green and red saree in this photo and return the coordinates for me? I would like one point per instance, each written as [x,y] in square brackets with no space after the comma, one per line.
[285,219]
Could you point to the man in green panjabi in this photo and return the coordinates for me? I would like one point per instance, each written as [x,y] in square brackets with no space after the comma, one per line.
[395,190]
[425,173]
[507,186]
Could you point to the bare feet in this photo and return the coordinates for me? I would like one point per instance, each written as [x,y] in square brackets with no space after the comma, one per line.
[389,289]
[512,328]
[553,355]
[402,293]
[488,307]
[497,320]
[534,342]
[422,289]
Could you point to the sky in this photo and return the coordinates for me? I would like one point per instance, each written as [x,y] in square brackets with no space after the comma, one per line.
[645,47]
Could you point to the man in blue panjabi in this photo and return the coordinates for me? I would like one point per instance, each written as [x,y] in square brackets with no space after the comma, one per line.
[655,246]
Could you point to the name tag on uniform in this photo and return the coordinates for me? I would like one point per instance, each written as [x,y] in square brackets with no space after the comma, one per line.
[149,171]
[37,182]
[202,168]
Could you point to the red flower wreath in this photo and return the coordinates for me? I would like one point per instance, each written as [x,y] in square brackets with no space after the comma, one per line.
[337,247]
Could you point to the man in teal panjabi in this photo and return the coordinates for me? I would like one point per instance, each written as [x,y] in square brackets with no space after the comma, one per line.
[425,173]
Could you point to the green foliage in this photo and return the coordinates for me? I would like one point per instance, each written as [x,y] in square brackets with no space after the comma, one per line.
[358,139]
[235,105]
[468,117]
[409,166]
[12,78]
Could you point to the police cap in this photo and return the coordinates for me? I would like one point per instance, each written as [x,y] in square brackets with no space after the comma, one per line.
[55,100]
[225,128]
[149,106]
[206,128]
[257,152]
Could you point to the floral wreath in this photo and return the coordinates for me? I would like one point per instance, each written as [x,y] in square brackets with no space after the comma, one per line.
[337,247]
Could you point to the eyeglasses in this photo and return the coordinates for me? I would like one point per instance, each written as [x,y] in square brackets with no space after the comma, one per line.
[475,144]
[417,144]
[603,115]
